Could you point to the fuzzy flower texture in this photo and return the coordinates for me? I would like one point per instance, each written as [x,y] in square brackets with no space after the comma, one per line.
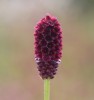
[48,46]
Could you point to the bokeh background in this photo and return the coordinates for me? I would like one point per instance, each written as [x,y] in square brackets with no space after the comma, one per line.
[19,79]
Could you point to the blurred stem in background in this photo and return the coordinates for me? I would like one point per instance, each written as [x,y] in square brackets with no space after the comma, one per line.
[47,89]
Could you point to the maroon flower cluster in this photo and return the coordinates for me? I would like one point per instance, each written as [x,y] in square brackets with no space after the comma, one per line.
[48,46]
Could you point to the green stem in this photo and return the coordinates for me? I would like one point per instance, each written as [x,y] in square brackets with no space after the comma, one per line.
[47,89]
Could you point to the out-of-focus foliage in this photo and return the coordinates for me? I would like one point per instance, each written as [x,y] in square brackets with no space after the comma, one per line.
[84,5]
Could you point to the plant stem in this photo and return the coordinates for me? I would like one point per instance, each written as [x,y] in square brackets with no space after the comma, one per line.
[47,89]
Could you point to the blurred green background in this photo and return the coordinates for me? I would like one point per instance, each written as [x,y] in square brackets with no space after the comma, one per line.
[19,79]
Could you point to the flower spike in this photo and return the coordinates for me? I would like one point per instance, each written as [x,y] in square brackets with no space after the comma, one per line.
[48,46]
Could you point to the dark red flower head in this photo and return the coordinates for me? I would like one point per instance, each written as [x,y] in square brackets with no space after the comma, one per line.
[48,46]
